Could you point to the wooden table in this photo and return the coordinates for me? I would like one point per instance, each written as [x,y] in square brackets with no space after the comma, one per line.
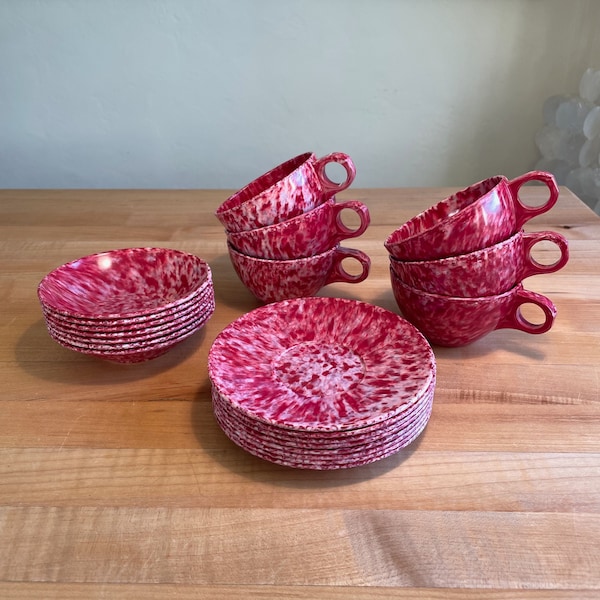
[116,482]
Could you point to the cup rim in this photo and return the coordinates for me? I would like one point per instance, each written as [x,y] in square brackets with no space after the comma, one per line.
[452,258]
[496,180]
[272,261]
[282,225]
[238,199]
[465,299]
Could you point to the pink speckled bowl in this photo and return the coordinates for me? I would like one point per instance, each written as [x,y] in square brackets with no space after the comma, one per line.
[128,305]
[308,234]
[486,272]
[288,190]
[273,280]
[478,216]
[453,321]
[123,283]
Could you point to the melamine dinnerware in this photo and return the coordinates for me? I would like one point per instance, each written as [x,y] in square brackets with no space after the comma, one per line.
[274,280]
[481,215]
[322,383]
[485,272]
[457,321]
[127,305]
[286,191]
[310,233]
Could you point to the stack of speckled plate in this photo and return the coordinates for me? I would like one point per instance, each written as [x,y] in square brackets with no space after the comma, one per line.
[322,383]
[128,305]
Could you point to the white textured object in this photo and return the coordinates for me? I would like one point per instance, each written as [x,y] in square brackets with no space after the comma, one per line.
[569,141]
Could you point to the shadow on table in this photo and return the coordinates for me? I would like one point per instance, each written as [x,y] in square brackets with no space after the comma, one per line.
[39,355]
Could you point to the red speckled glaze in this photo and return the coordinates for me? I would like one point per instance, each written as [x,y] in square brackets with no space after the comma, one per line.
[129,305]
[120,328]
[290,189]
[486,272]
[305,452]
[476,217]
[311,233]
[321,364]
[129,282]
[313,441]
[100,337]
[273,280]
[453,321]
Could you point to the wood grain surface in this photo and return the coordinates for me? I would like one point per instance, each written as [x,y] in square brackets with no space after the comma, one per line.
[116,481]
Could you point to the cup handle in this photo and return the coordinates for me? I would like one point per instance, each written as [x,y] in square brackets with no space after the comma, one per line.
[342,231]
[523,212]
[330,186]
[532,266]
[337,272]
[515,320]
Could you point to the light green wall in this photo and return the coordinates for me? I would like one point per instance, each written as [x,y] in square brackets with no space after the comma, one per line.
[211,93]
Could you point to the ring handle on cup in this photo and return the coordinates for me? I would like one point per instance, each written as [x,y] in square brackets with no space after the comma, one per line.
[514,319]
[337,273]
[330,186]
[523,212]
[532,266]
[341,230]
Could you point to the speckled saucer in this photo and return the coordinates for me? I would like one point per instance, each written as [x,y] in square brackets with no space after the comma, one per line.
[325,458]
[336,442]
[321,365]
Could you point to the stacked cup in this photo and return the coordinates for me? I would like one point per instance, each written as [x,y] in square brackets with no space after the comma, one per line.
[457,268]
[284,229]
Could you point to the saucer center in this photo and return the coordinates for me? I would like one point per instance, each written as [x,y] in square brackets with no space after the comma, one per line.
[313,369]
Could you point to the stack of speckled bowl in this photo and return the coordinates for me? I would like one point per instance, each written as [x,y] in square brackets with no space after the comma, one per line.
[127,305]
[322,383]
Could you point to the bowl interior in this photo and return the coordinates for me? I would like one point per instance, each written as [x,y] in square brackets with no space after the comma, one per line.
[123,282]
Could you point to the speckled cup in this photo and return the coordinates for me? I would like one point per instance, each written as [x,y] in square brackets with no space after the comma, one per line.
[274,280]
[452,321]
[486,272]
[288,190]
[478,216]
[307,234]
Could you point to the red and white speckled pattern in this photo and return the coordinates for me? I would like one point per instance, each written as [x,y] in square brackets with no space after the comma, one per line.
[288,190]
[149,300]
[319,440]
[121,283]
[486,272]
[478,216]
[308,453]
[251,364]
[273,280]
[308,234]
[453,321]
[119,328]
[101,339]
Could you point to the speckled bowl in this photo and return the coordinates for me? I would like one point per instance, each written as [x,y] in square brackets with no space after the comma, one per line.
[128,305]
[124,283]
